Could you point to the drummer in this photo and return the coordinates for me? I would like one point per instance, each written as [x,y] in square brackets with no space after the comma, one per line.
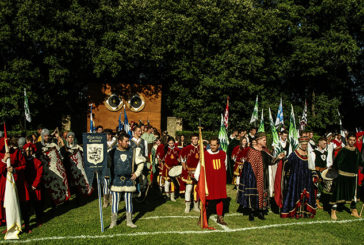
[171,159]
[320,158]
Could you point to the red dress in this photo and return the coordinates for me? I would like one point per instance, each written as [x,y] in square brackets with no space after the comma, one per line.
[19,164]
[215,174]
[34,176]
[239,156]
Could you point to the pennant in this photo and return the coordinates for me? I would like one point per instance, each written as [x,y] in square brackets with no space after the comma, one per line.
[303,121]
[226,116]
[121,124]
[254,117]
[275,144]
[11,202]
[223,137]
[293,134]
[26,107]
[127,128]
[92,126]
[202,185]
[279,119]
[261,126]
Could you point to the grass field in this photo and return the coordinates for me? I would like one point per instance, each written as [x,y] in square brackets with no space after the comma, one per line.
[164,222]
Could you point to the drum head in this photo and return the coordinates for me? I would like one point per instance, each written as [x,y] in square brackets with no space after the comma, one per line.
[175,171]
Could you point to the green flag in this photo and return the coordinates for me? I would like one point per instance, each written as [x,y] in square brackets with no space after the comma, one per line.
[261,126]
[293,133]
[276,145]
[254,117]
[223,137]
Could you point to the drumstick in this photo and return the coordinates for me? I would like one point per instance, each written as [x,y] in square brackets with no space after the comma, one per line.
[361,211]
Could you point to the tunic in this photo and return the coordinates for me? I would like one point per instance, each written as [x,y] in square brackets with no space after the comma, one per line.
[215,174]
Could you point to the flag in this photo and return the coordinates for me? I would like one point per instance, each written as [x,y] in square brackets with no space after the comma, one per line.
[121,124]
[26,107]
[303,122]
[293,134]
[11,202]
[342,133]
[279,119]
[223,137]
[92,126]
[226,116]
[261,126]
[202,185]
[126,124]
[255,112]
[275,144]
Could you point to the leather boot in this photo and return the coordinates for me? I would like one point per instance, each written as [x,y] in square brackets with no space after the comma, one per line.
[261,215]
[172,197]
[318,204]
[106,201]
[129,221]
[220,220]
[188,206]
[354,213]
[333,214]
[251,215]
[114,218]
[196,207]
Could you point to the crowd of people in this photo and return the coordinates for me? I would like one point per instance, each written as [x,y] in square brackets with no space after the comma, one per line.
[294,181]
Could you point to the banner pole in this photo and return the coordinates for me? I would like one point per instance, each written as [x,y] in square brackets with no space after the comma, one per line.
[100,203]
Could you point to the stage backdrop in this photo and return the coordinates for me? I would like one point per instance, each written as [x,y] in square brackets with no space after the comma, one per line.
[142,102]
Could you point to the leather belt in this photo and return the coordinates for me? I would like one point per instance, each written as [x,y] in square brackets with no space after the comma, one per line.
[347,174]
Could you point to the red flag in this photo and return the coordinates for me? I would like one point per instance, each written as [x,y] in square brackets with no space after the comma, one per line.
[202,186]
[226,116]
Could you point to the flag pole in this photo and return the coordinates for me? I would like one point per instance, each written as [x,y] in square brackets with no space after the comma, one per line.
[100,203]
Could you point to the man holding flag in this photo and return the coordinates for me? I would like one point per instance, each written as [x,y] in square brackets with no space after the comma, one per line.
[215,179]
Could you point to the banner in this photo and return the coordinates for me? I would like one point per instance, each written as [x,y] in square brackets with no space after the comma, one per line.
[94,154]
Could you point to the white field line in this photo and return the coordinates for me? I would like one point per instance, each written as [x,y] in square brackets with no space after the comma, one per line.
[179,232]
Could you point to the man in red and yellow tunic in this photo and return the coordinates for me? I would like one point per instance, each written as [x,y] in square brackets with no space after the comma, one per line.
[190,156]
[215,167]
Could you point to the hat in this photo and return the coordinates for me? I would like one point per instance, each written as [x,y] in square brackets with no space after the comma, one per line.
[259,135]
[70,134]
[328,135]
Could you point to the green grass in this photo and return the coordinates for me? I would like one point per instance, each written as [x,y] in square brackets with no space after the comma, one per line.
[81,217]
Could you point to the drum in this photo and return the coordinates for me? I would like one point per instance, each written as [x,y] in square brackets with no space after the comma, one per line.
[326,182]
[175,171]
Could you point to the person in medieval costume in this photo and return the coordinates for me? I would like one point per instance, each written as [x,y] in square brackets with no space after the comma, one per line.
[111,142]
[344,187]
[171,158]
[126,164]
[154,167]
[299,197]
[138,142]
[73,161]
[338,143]
[33,174]
[215,170]
[238,156]
[254,179]
[190,157]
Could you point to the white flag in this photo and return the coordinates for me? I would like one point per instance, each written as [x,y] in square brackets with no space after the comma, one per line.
[26,107]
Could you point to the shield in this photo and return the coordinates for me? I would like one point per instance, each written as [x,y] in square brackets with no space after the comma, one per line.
[95,153]
[55,178]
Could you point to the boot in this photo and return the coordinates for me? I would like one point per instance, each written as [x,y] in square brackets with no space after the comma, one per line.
[333,214]
[188,205]
[261,215]
[114,218]
[220,220]
[251,215]
[318,204]
[129,221]
[354,213]
[195,207]
[106,200]
[172,197]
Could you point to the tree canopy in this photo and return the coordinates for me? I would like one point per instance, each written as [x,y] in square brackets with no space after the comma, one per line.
[200,51]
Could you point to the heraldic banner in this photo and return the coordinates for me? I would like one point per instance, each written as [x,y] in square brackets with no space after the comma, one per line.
[94,154]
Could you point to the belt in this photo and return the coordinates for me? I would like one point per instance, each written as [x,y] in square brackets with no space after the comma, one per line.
[347,174]
[123,178]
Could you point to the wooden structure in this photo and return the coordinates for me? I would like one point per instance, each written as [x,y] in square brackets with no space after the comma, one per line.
[142,102]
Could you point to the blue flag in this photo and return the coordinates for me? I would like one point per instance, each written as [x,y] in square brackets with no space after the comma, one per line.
[92,127]
[121,124]
[126,124]
[279,119]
